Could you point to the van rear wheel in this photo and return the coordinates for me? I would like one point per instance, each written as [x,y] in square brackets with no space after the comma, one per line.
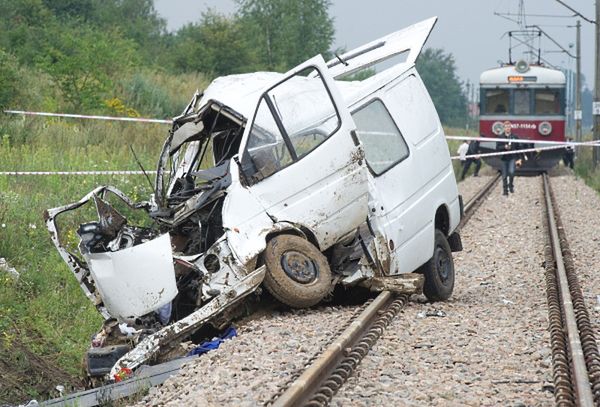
[439,270]
[297,272]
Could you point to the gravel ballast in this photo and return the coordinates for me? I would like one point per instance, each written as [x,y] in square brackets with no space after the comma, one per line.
[248,369]
[488,345]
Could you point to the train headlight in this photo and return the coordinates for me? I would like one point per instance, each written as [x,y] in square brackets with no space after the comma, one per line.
[522,66]
[498,128]
[545,128]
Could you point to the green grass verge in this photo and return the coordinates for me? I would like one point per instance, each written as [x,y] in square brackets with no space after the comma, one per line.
[45,320]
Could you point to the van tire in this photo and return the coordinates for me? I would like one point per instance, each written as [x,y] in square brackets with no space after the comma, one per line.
[297,272]
[439,270]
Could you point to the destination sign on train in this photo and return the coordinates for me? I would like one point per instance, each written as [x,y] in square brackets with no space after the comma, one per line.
[521,78]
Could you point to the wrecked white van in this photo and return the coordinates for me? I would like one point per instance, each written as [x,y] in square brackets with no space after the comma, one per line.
[296,182]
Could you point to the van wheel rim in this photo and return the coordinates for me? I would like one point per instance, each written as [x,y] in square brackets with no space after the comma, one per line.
[299,267]
[443,265]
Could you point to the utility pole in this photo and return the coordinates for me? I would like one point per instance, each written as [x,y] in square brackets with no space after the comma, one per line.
[578,113]
[596,106]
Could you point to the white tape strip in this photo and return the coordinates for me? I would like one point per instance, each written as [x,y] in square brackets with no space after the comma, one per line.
[503,140]
[81,116]
[73,173]
[526,150]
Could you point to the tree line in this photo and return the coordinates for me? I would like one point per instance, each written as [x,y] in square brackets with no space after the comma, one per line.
[81,52]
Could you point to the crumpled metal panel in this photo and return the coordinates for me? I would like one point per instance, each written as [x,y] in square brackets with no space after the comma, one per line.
[150,346]
[135,281]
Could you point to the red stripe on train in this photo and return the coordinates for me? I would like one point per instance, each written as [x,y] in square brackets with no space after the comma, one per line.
[526,129]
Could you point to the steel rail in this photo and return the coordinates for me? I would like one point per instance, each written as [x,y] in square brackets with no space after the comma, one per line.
[580,378]
[301,391]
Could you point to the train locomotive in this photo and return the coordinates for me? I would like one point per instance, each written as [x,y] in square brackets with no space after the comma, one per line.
[532,98]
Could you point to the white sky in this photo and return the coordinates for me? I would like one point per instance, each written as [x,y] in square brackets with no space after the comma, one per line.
[466,28]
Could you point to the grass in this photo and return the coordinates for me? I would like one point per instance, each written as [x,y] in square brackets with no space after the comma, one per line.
[45,320]
[584,166]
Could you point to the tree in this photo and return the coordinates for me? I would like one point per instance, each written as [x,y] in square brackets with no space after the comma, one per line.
[137,20]
[84,61]
[217,45]
[23,26]
[9,78]
[438,71]
[287,32]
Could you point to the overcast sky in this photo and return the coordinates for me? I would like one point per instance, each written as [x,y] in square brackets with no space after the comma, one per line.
[466,28]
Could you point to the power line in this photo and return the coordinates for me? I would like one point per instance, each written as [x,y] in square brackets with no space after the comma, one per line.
[577,13]
[541,15]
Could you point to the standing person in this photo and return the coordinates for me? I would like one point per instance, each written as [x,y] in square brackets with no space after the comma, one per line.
[511,160]
[472,152]
[462,155]
[569,154]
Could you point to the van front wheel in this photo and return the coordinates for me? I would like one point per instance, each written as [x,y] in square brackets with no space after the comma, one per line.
[439,270]
[297,272]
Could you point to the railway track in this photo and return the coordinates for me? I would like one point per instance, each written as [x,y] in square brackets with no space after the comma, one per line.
[575,357]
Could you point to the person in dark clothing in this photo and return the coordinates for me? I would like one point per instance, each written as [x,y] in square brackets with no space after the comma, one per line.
[569,154]
[509,161]
[472,151]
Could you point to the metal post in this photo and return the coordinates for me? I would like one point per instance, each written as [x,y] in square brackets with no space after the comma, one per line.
[578,114]
[596,106]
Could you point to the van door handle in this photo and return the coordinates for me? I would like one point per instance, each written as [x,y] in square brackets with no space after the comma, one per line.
[354,137]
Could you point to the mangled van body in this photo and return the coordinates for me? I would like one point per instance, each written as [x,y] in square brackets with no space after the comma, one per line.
[296,182]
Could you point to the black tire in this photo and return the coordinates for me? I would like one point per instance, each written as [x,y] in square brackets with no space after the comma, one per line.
[297,272]
[439,270]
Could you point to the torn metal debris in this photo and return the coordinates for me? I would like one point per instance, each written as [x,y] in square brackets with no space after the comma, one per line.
[296,182]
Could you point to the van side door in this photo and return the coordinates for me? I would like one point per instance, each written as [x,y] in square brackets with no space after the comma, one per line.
[301,158]
[407,155]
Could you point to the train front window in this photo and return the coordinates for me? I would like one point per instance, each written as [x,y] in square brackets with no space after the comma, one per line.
[522,102]
[496,101]
[547,101]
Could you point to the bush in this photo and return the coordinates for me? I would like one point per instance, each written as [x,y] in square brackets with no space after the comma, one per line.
[9,78]
[158,94]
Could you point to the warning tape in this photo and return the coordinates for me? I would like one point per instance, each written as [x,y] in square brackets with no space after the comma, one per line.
[526,141]
[81,116]
[556,145]
[72,172]
[526,150]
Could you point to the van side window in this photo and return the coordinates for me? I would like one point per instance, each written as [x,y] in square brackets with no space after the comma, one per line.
[384,145]
[292,119]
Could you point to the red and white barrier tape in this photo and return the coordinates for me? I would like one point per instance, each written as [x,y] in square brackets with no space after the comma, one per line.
[82,116]
[525,150]
[72,172]
[557,145]
[503,140]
